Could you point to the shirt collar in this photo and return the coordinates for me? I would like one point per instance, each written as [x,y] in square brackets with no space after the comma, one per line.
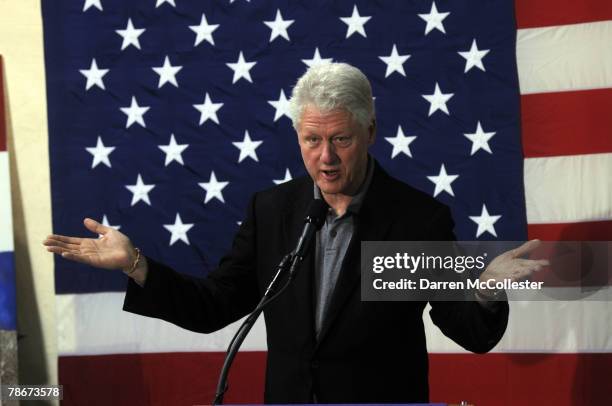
[355,204]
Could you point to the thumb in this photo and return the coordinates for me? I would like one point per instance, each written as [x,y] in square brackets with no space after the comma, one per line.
[526,248]
[95,227]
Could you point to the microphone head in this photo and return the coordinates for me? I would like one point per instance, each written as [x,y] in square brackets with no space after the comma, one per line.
[317,211]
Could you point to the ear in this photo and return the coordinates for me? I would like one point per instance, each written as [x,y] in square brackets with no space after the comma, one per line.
[372,132]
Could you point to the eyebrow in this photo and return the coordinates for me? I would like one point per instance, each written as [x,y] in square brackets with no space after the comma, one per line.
[310,134]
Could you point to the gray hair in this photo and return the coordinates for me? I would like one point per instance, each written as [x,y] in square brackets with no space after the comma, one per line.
[331,86]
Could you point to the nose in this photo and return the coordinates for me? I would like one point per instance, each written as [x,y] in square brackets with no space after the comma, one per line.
[328,154]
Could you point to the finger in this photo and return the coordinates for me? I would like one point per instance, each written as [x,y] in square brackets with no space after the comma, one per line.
[64,245]
[531,262]
[74,256]
[539,263]
[525,270]
[95,227]
[64,238]
[526,273]
[60,251]
[525,248]
[55,250]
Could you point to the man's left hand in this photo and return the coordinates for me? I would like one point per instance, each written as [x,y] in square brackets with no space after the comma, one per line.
[510,265]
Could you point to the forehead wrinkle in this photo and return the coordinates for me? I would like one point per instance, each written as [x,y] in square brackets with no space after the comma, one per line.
[313,119]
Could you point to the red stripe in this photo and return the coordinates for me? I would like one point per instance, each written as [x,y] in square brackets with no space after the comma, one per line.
[2,109]
[591,231]
[586,267]
[521,379]
[190,378]
[542,13]
[567,123]
[159,379]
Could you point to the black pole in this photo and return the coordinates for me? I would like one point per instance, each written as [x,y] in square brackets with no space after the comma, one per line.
[247,325]
[315,217]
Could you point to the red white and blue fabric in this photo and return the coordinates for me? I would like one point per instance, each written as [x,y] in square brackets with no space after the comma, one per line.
[166,115]
[8,313]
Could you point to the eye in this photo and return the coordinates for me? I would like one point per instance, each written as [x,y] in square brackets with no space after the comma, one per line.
[342,140]
[312,140]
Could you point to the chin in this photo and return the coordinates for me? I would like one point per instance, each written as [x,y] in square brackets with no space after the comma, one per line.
[330,189]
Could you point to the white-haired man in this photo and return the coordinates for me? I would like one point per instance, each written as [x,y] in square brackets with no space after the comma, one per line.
[324,344]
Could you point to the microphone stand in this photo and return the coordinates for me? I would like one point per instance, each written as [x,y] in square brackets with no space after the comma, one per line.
[314,219]
[289,262]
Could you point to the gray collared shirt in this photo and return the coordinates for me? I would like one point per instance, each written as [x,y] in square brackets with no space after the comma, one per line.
[332,243]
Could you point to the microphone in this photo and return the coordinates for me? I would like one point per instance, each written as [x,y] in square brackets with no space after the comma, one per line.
[315,217]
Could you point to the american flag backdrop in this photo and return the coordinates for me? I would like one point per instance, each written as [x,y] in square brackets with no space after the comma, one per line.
[166,115]
[8,310]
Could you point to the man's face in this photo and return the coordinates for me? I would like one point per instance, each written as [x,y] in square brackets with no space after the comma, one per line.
[334,149]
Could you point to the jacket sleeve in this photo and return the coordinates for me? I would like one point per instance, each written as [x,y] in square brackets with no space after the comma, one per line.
[470,324]
[202,304]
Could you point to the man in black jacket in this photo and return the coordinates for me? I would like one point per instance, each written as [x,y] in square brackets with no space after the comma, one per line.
[324,343]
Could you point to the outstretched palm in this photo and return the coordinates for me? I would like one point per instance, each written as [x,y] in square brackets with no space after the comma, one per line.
[112,250]
[510,265]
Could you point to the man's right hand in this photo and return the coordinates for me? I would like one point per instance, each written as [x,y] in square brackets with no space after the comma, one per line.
[112,250]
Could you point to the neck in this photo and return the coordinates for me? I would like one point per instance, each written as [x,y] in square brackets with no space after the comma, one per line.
[337,201]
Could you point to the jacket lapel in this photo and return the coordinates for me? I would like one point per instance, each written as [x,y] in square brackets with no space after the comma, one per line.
[370,225]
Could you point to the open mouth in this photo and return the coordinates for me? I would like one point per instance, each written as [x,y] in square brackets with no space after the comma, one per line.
[330,174]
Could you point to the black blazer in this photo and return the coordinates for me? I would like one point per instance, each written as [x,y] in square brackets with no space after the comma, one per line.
[367,352]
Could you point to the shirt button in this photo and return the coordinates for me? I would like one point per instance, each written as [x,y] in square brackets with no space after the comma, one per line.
[333,233]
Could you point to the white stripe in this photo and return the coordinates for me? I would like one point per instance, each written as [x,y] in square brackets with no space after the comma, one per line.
[549,327]
[6,215]
[568,189]
[95,324]
[567,57]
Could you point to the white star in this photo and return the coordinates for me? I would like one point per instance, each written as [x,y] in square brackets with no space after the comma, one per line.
[213,188]
[208,110]
[247,147]
[204,31]
[473,57]
[160,2]
[173,151]
[140,191]
[400,143]
[241,68]
[281,105]
[395,62]
[443,182]
[286,179]
[89,3]
[434,19]
[355,23]
[100,153]
[279,27]
[167,73]
[130,35]
[135,113]
[107,224]
[178,230]
[437,100]
[480,139]
[316,59]
[94,75]
[485,222]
